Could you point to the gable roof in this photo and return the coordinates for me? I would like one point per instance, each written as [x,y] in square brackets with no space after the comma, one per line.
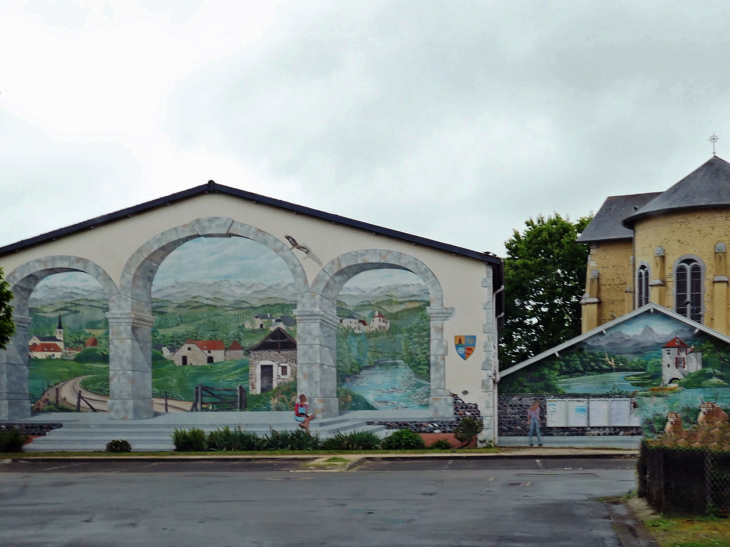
[675,342]
[286,320]
[276,340]
[649,308]
[213,187]
[47,338]
[235,346]
[706,186]
[212,345]
[606,224]
[45,348]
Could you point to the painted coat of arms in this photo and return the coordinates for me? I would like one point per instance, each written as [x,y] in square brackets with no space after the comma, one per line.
[465,345]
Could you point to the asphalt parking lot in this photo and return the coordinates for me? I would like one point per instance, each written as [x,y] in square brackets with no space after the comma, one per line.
[484,502]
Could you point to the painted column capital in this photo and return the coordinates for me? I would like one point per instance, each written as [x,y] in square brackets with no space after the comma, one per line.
[130,319]
[439,313]
[309,315]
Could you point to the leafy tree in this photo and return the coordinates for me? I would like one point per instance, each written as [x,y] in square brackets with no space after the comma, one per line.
[7,327]
[545,273]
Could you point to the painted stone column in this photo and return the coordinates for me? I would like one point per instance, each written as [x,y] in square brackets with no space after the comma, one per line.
[440,404]
[490,366]
[130,365]
[317,324]
[14,380]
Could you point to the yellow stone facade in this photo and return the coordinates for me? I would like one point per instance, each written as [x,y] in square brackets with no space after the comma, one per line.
[702,235]
[612,261]
[661,242]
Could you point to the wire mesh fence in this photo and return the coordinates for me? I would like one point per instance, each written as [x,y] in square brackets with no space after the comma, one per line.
[680,479]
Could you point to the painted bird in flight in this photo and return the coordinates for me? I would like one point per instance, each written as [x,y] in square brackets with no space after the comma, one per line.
[306,250]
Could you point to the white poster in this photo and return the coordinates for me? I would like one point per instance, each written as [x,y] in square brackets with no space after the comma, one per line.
[556,413]
[577,412]
[598,413]
[620,412]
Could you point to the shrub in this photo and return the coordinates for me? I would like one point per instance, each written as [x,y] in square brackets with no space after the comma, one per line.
[12,441]
[118,445]
[467,429]
[291,440]
[441,444]
[403,439]
[191,440]
[356,440]
[228,439]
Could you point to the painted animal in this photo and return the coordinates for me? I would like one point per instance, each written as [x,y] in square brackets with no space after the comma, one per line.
[674,424]
[710,414]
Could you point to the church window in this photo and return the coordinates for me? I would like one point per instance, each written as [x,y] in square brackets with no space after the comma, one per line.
[688,293]
[643,286]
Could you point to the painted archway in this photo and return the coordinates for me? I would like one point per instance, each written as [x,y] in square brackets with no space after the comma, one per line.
[14,373]
[130,315]
[317,327]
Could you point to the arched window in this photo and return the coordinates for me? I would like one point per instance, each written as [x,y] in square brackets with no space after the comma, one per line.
[642,286]
[688,293]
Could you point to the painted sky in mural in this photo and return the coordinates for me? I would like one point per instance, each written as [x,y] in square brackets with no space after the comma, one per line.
[661,362]
[213,297]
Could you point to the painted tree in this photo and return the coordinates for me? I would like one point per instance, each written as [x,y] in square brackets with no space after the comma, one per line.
[545,273]
[7,327]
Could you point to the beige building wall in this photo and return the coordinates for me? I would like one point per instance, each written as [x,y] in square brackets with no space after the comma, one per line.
[688,234]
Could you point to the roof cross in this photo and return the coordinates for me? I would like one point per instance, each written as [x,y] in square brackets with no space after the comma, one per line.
[713,140]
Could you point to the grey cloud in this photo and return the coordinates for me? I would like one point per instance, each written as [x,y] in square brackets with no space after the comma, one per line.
[460,120]
[50,184]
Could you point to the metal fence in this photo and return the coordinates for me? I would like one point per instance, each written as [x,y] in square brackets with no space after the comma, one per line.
[685,480]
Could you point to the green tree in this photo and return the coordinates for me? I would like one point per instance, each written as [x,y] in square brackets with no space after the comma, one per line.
[545,273]
[7,327]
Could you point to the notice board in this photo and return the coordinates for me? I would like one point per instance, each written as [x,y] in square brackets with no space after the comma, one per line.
[599,413]
[557,415]
[577,412]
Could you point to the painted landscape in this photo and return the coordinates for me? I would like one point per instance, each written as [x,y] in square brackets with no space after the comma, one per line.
[213,299]
[662,363]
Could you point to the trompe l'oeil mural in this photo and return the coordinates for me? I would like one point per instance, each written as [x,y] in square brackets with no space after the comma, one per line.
[656,362]
[224,317]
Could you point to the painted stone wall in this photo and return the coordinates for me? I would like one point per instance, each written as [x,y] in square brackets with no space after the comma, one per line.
[652,358]
[276,359]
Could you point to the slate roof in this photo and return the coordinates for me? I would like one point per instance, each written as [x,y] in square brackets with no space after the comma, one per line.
[48,339]
[277,340]
[606,225]
[287,321]
[706,186]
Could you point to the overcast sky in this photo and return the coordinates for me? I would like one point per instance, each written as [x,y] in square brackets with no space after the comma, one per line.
[451,120]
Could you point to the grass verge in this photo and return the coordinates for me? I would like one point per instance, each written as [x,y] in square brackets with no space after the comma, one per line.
[683,531]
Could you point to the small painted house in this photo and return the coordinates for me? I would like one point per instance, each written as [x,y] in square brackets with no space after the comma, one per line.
[200,352]
[272,362]
[234,351]
[46,350]
[678,360]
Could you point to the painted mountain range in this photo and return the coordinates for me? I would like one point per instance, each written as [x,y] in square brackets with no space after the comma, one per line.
[228,291]
[622,343]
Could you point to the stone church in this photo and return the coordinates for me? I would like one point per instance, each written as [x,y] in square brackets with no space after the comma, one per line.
[669,248]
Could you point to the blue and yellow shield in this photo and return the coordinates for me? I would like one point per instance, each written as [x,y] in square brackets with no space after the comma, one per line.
[465,345]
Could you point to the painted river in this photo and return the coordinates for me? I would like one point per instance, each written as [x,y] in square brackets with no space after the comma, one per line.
[389,385]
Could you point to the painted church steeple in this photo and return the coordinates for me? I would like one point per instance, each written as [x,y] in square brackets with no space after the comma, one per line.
[59,329]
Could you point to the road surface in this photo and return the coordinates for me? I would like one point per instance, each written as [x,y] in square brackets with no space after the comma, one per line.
[485,503]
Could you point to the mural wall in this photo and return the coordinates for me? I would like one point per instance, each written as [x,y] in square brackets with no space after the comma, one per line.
[383,342]
[656,362]
[224,317]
